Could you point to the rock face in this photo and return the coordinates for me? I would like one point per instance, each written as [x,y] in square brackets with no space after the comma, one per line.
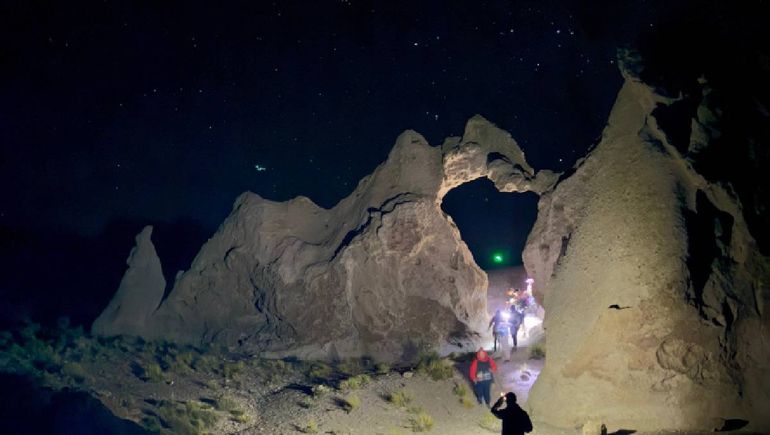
[655,290]
[384,273]
[139,293]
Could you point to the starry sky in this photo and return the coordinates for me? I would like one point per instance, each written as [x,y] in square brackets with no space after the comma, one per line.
[163,112]
[165,109]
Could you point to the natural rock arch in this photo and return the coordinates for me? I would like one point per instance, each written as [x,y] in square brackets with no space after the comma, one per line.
[383,274]
[655,288]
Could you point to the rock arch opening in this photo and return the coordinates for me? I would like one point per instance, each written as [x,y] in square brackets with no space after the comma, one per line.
[495,226]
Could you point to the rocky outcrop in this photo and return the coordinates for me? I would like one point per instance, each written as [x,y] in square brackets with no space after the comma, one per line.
[139,293]
[655,290]
[384,273]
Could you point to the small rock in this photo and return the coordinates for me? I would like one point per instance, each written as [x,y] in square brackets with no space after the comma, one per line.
[407,375]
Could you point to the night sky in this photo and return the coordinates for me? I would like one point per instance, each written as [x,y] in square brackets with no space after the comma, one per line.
[118,114]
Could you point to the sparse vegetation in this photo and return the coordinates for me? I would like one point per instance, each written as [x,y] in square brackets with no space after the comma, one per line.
[421,422]
[432,365]
[186,418]
[459,390]
[320,371]
[150,372]
[239,416]
[75,371]
[355,382]
[351,402]
[207,363]
[467,403]
[225,403]
[320,390]
[230,370]
[400,398]
[382,368]
[490,423]
[310,427]
[537,351]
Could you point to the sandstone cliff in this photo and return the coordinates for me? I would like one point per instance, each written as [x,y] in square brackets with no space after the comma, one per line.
[384,273]
[139,293]
[655,290]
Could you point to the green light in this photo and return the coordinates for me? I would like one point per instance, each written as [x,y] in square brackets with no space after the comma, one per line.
[497,258]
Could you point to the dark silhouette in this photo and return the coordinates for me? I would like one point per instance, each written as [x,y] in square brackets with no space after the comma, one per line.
[515,420]
[482,368]
[517,318]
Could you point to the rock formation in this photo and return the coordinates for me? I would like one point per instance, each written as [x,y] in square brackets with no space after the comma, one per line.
[139,293]
[655,290]
[653,281]
[384,273]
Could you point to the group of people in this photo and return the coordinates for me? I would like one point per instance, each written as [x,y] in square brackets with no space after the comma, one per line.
[515,420]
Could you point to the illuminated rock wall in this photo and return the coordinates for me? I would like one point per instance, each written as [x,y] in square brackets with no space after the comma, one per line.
[654,289]
[384,273]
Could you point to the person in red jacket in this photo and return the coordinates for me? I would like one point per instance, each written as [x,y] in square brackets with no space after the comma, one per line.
[481,373]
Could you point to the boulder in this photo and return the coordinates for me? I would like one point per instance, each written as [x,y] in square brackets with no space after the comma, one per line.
[383,274]
[653,286]
[139,293]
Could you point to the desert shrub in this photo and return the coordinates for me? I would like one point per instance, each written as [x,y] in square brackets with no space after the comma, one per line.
[310,427]
[320,390]
[239,416]
[459,390]
[355,382]
[351,402]
[186,418]
[74,371]
[150,372]
[184,360]
[308,402]
[346,368]
[274,370]
[320,371]
[382,368]
[232,369]
[431,364]
[152,423]
[225,403]
[206,364]
[467,403]
[490,423]
[421,422]
[537,351]
[400,398]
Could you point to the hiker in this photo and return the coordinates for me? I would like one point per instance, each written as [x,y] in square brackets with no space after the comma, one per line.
[517,318]
[500,328]
[515,420]
[481,374]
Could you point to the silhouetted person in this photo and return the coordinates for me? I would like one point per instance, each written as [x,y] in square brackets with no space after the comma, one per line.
[515,420]
[502,326]
[481,371]
[517,318]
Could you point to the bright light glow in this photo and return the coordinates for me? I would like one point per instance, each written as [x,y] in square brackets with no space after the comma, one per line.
[531,321]
[505,314]
[529,281]
[497,258]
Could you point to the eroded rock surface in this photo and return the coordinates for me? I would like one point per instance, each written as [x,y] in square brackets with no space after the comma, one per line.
[139,293]
[654,288]
[384,273]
